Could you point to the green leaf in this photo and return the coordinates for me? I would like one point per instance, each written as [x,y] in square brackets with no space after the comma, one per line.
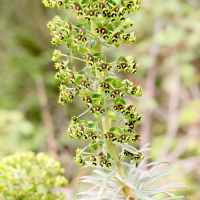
[120,116]
[91,125]
[102,101]
[113,116]
[82,72]
[82,48]
[96,96]
[86,122]
[73,69]
[120,100]
[114,83]
[97,128]
[119,130]
[100,55]
[109,80]
[113,129]
[110,27]
[85,1]
[79,79]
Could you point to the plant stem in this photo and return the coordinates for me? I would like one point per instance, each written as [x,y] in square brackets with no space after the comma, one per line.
[79,59]
[106,126]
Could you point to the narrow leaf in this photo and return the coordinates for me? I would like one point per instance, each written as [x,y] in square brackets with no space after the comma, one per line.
[103,186]
[136,169]
[116,193]
[84,193]
[100,173]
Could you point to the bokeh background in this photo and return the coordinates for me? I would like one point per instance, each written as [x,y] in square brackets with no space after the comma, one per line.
[168,49]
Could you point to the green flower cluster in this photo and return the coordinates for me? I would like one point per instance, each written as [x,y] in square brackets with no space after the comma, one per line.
[89,130]
[94,91]
[30,176]
[137,156]
[103,11]
[100,159]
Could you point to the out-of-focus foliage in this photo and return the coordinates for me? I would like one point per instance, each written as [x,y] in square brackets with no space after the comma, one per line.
[168,47]
[26,175]
[19,133]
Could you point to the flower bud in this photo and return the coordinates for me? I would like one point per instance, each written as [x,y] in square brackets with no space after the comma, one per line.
[110,135]
[89,100]
[90,133]
[88,5]
[91,12]
[92,110]
[106,85]
[96,5]
[108,164]
[77,7]
[123,136]
[105,161]
[100,84]
[116,9]
[91,58]
[80,30]
[103,30]
[97,14]
[102,110]
[94,137]
[83,82]
[97,108]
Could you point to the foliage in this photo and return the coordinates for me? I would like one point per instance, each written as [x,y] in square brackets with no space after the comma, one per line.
[103,93]
[26,175]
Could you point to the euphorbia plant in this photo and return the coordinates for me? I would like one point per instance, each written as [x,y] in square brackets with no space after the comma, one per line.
[104,96]
[30,176]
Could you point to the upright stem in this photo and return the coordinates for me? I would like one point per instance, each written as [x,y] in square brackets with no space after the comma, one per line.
[106,125]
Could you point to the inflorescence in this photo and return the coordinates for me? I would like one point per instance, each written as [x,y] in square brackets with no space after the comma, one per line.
[107,16]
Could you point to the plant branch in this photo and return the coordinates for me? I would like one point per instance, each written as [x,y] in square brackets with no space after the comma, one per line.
[48,121]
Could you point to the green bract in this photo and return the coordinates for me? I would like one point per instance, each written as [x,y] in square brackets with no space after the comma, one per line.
[103,95]
[30,176]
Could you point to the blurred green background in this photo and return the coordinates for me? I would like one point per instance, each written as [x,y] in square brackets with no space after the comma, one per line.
[168,49]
